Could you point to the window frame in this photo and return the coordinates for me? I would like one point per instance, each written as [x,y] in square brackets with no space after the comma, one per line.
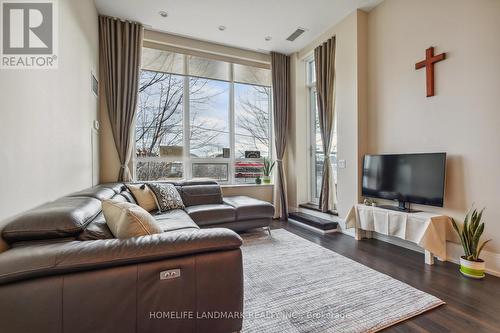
[311,117]
[187,159]
[311,91]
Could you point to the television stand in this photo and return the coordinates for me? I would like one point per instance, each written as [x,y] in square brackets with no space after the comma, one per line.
[399,209]
[427,230]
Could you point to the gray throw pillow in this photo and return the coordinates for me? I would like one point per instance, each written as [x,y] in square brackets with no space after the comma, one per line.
[167,196]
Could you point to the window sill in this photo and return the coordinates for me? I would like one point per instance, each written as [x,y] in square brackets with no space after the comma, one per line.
[246,185]
[315,207]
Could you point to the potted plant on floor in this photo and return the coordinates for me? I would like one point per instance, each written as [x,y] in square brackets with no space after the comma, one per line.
[470,233]
[268,168]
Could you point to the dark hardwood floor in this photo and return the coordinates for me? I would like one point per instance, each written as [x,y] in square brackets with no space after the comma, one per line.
[471,305]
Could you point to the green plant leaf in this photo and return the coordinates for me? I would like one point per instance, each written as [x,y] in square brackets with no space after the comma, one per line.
[481,248]
[470,233]
[455,226]
[461,236]
[477,236]
[466,236]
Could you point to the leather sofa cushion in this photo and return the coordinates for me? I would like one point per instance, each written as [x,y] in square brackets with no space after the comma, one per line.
[127,195]
[101,192]
[58,258]
[249,208]
[175,219]
[64,217]
[211,214]
[97,229]
[191,182]
[201,195]
[121,198]
[243,225]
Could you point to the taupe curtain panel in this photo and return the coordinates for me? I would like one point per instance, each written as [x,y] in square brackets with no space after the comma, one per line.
[280,67]
[324,58]
[120,44]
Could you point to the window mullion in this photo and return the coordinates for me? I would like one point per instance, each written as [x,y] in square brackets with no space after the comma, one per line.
[185,121]
[232,139]
[312,145]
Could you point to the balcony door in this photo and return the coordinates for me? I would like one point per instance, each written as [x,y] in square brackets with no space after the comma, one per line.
[316,153]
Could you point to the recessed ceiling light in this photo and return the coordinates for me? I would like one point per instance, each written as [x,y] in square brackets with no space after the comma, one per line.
[268,38]
[222,27]
[163,13]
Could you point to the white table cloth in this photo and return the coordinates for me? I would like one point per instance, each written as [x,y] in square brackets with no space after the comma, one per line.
[428,230]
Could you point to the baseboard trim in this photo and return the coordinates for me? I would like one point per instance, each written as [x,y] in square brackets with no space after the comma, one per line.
[453,250]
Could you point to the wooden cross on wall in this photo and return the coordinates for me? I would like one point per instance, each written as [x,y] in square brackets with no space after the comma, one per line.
[428,63]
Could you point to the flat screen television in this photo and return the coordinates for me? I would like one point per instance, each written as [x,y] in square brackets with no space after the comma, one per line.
[407,178]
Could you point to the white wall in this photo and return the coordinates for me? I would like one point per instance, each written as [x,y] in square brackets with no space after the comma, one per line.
[46,118]
[382,108]
[463,119]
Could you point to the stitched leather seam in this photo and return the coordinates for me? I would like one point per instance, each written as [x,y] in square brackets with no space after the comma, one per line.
[196,290]
[62,304]
[137,299]
[76,229]
[36,231]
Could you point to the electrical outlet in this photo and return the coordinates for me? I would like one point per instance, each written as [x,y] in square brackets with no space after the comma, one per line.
[341,164]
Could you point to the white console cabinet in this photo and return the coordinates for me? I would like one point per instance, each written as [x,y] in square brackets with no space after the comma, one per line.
[430,231]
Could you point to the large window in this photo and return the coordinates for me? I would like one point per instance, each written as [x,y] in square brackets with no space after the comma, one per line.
[208,118]
[252,119]
[317,155]
[201,118]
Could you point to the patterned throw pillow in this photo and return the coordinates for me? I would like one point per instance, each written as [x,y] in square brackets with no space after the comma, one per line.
[167,196]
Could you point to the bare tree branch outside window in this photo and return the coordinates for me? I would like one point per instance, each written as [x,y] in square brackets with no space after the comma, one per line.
[159,129]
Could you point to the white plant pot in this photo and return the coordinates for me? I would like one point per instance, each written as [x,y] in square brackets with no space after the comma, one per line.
[472,269]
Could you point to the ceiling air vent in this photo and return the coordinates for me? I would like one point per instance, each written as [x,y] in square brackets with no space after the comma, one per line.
[296,34]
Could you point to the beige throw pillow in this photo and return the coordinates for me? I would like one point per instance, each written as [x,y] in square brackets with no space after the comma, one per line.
[144,196]
[127,220]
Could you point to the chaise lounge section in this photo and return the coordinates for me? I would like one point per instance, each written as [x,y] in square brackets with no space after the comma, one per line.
[64,264]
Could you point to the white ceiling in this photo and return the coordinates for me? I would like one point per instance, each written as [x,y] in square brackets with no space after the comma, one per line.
[247,22]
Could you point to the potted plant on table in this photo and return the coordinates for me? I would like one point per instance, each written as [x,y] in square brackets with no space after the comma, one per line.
[268,168]
[470,233]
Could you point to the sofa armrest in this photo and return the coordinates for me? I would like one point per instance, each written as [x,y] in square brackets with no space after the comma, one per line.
[33,261]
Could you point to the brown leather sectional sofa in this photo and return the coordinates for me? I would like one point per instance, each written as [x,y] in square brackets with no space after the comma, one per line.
[65,272]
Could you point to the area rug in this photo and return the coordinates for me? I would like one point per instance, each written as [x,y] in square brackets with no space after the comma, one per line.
[294,285]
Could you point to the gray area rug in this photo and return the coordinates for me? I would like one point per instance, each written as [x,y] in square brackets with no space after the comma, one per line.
[293,285]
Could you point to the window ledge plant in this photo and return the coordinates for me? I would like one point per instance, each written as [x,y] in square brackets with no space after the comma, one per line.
[268,168]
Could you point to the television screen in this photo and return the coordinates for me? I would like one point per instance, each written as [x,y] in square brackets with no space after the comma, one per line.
[416,178]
